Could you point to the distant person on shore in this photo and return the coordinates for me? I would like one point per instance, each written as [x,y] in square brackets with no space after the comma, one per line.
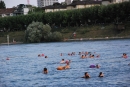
[45,71]
[124,55]
[86,75]
[101,74]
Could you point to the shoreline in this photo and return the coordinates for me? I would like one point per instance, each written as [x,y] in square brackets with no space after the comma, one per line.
[11,43]
[90,39]
[77,39]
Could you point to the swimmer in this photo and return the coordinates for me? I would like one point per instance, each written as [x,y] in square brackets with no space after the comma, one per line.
[79,53]
[92,56]
[7,58]
[67,66]
[45,71]
[39,55]
[86,53]
[46,57]
[82,56]
[100,74]
[97,66]
[85,56]
[86,75]
[98,56]
[62,61]
[67,62]
[61,54]
[63,67]
[124,55]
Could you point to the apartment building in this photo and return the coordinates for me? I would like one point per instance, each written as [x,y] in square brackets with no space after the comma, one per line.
[44,3]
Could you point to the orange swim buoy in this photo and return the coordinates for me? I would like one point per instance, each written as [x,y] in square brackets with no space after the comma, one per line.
[60,68]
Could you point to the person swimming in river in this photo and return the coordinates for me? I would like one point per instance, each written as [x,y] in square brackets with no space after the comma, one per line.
[101,74]
[95,66]
[46,56]
[86,75]
[62,61]
[124,55]
[82,56]
[67,66]
[45,71]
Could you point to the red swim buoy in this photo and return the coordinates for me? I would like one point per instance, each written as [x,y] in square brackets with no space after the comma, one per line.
[42,54]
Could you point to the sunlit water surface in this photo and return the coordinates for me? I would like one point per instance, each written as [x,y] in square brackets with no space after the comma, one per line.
[24,67]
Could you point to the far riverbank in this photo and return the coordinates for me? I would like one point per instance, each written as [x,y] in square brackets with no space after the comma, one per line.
[105,38]
[91,32]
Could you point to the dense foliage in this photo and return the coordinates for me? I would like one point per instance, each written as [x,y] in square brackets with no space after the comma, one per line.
[113,13]
[36,10]
[38,32]
[2,5]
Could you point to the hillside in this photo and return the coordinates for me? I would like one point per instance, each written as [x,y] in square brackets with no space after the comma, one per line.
[91,31]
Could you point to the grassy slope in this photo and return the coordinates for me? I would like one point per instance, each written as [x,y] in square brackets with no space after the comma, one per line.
[96,32]
[17,35]
[81,32]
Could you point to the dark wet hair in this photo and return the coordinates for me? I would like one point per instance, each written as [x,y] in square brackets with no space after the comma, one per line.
[85,73]
[100,74]
[45,69]
[124,53]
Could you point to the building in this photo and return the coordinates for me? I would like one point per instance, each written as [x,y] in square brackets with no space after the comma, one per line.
[7,12]
[119,1]
[79,5]
[54,8]
[22,9]
[68,2]
[83,4]
[43,3]
[73,5]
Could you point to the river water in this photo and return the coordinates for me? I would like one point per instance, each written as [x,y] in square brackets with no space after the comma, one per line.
[23,68]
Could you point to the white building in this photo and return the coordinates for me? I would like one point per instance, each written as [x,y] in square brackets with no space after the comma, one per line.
[68,2]
[43,3]
[7,12]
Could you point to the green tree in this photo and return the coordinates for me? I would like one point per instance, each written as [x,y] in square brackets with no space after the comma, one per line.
[2,5]
[33,32]
[36,32]
[55,36]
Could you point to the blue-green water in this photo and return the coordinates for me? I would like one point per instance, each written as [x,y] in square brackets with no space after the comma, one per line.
[24,67]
